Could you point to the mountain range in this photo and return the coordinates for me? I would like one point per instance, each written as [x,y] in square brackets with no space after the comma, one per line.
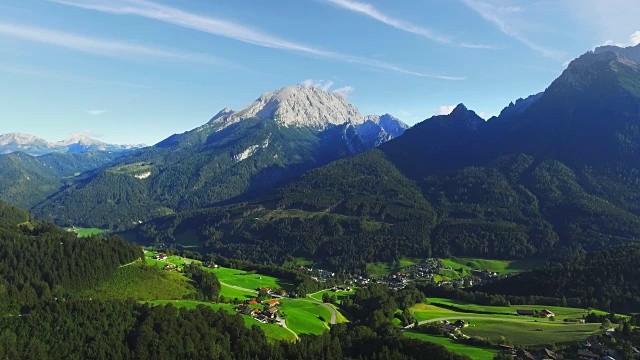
[35,146]
[301,172]
[554,173]
[236,155]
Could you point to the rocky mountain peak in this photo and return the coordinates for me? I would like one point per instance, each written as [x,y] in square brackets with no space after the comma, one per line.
[296,105]
[631,52]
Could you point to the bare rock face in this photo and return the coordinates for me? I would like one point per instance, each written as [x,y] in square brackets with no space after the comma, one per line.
[295,106]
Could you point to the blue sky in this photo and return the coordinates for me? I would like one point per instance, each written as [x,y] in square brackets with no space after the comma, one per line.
[132,71]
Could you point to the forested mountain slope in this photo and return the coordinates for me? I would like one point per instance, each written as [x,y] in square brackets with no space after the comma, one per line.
[558,175]
[236,155]
[26,180]
[40,260]
[605,279]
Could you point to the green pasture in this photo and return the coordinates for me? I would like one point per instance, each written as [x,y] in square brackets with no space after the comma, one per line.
[471,351]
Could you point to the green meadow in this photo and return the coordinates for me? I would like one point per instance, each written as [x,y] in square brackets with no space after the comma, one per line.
[86,232]
[250,280]
[499,266]
[473,352]
[303,316]
[560,312]
[531,333]
[142,282]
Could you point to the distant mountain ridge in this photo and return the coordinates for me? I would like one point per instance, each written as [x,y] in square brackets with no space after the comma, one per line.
[234,156]
[76,143]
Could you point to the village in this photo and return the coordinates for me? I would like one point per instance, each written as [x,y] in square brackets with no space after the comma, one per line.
[428,270]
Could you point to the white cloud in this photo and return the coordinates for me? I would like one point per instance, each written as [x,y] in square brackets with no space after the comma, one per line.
[344,91]
[635,38]
[445,109]
[228,29]
[499,18]
[91,45]
[370,11]
[96,112]
[323,85]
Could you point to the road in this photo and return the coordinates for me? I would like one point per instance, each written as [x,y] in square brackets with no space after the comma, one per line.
[334,313]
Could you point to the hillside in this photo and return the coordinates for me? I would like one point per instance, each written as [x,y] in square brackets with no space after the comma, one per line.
[27,180]
[605,279]
[558,173]
[235,156]
[41,261]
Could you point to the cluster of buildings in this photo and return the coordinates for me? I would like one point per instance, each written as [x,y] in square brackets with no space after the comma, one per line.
[453,328]
[592,349]
[160,256]
[268,314]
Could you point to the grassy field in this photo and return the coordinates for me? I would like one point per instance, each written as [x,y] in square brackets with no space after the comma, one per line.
[471,351]
[230,293]
[318,296]
[86,232]
[494,322]
[381,269]
[272,331]
[142,282]
[302,316]
[298,262]
[499,266]
[560,312]
[249,280]
[530,333]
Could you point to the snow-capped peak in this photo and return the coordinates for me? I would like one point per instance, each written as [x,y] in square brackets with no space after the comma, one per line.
[78,138]
[296,106]
[19,139]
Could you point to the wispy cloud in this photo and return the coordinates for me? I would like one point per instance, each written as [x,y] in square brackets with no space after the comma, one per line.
[370,11]
[92,45]
[96,112]
[323,85]
[326,85]
[497,16]
[344,91]
[444,109]
[635,38]
[231,30]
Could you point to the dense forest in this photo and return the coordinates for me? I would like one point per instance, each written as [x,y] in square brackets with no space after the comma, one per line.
[197,169]
[40,260]
[607,279]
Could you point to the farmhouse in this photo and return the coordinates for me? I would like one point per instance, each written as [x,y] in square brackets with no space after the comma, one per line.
[460,324]
[548,354]
[587,355]
[253,302]
[244,309]
[273,303]
[523,354]
[448,328]
[170,267]
[271,313]
[525,312]
[547,313]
